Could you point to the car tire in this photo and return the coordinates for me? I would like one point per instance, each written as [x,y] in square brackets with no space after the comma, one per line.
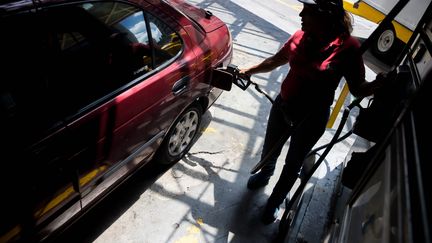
[181,136]
[386,46]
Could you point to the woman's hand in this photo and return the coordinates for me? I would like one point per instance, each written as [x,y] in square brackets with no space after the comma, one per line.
[366,88]
[244,74]
[382,79]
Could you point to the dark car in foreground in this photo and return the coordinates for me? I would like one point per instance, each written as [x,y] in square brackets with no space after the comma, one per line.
[90,92]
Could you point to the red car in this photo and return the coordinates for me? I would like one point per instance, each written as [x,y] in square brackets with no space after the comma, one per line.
[91,91]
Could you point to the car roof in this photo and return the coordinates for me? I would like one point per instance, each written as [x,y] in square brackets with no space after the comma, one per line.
[7,6]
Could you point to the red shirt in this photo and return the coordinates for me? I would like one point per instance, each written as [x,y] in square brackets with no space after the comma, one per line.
[315,73]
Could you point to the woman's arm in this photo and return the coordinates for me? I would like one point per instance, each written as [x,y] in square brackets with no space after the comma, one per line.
[354,73]
[363,88]
[369,88]
[267,65]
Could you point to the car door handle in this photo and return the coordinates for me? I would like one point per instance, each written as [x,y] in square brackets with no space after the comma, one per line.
[180,86]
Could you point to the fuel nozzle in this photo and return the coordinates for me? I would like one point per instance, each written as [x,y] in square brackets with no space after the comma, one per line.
[242,81]
[231,68]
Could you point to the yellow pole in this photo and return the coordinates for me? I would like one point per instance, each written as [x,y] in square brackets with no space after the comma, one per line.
[338,106]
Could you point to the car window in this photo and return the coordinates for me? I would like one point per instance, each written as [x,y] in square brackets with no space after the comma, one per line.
[97,52]
[167,43]
[104,46]
[130,48]
[65,58]
[131,25]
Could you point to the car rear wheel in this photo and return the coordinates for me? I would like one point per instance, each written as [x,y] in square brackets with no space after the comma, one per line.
[181,136]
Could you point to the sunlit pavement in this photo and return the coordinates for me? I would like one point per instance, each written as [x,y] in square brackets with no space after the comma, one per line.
[204,198]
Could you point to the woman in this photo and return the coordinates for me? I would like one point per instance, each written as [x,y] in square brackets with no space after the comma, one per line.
[319,55]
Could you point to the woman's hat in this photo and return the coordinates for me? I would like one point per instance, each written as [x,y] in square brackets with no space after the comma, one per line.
[332,7]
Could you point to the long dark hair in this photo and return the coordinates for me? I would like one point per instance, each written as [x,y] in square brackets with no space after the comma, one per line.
[343,23]
[347,22]
[342,20]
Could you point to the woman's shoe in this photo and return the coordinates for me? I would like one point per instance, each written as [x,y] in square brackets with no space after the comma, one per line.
[270,214]
[257,181]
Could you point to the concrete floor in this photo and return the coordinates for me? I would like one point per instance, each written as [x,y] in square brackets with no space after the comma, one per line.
[203,198]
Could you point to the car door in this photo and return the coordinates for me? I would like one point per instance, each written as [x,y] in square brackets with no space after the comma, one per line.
[37,182]
[115,86]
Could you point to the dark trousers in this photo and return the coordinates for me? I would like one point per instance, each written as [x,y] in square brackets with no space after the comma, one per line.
[304,127]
